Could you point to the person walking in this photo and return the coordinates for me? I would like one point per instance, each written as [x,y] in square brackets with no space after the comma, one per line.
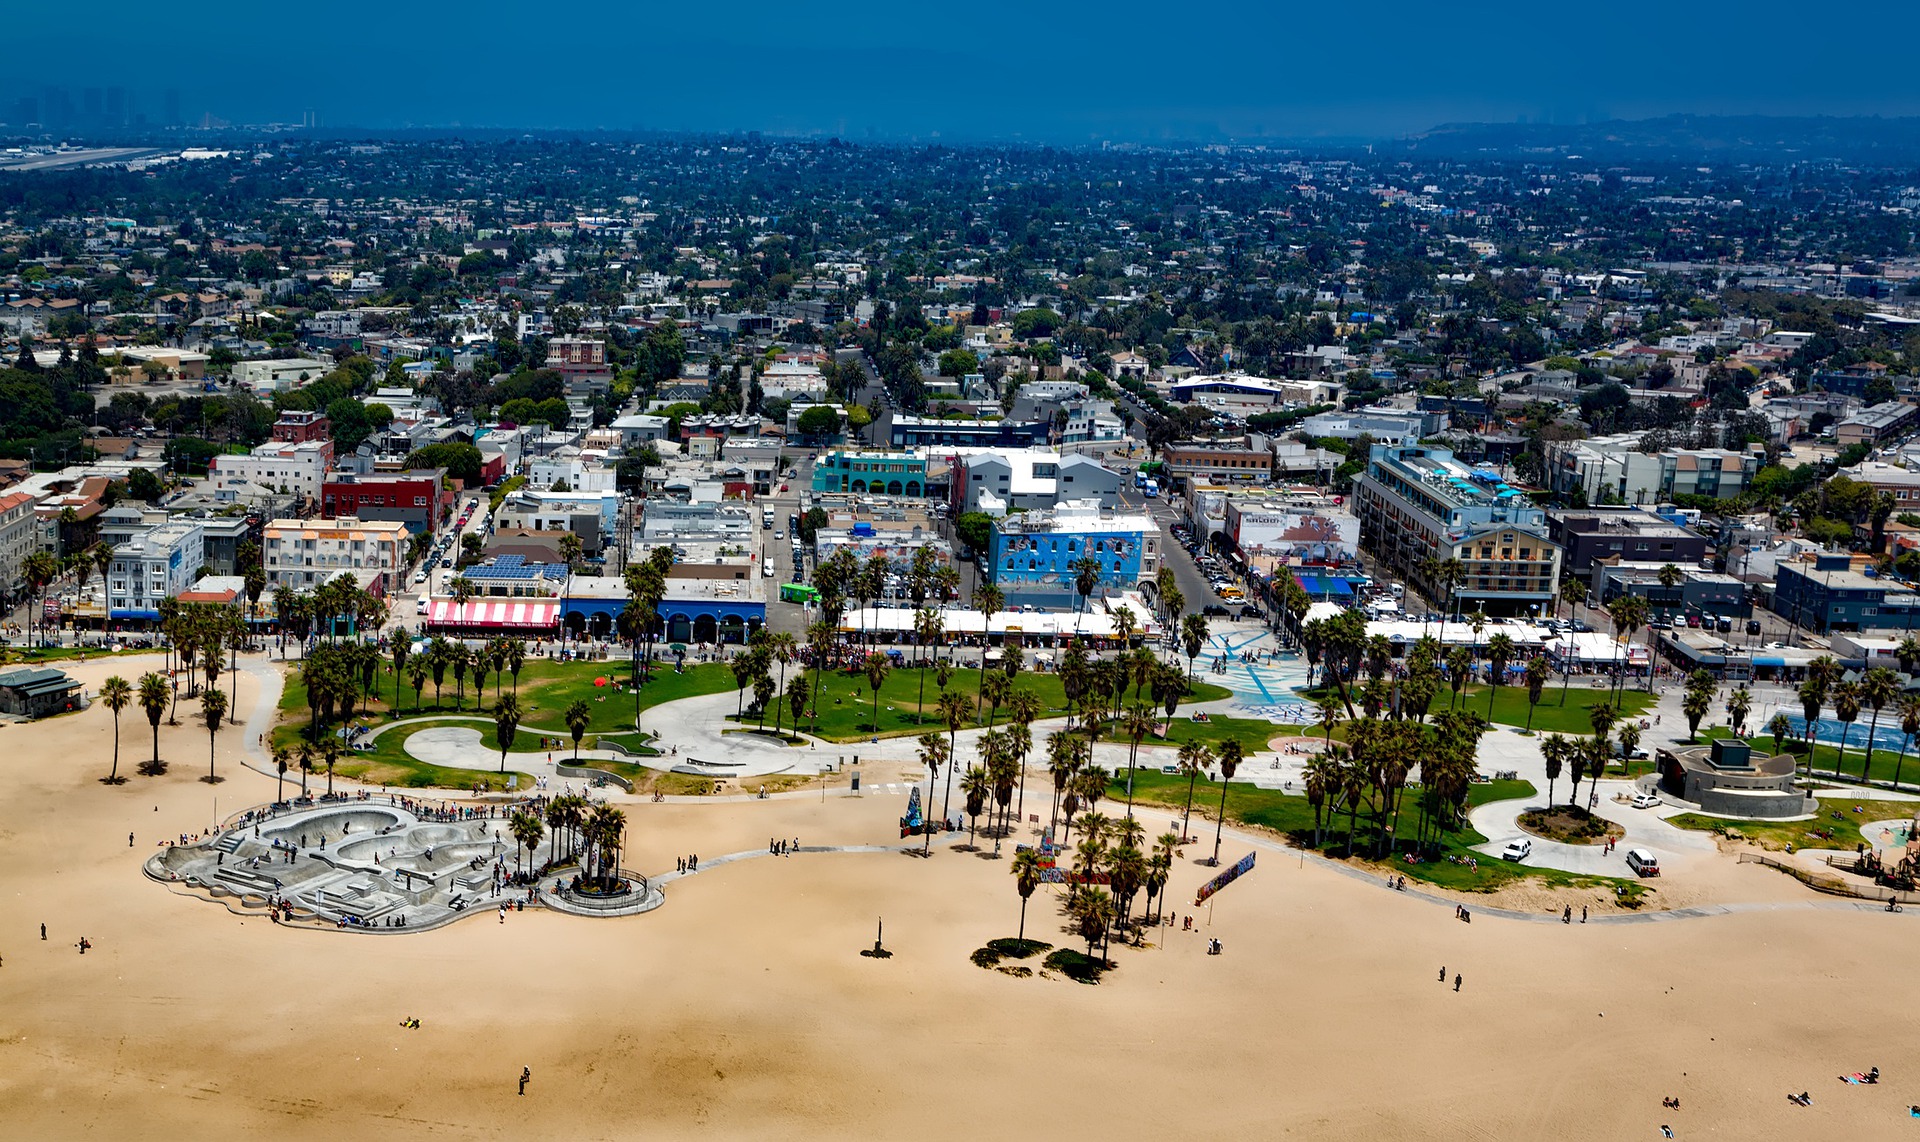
[43,931]
[526,1076]
[1443,973]
[1456,981]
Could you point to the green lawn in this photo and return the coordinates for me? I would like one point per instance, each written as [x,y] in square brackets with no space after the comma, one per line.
[1252,734]
[546,689]
[846,702]
[1290,815]
[1779,834]
[1510,706]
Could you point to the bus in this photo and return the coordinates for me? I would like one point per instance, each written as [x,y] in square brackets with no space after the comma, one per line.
[799,593]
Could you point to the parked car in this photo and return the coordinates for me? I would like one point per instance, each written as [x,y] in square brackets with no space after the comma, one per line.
[1251,612]
[1517,850]
[1645,801]
[1215,609]
[1643,863]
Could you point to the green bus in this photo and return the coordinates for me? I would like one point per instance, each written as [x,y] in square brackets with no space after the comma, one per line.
[798,593]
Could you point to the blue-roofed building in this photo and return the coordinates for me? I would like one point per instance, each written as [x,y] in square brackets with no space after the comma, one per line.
[1418,504]
[511,576]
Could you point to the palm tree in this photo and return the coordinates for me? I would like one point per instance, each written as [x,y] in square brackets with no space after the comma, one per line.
[578,717]
[1909,726]
[989,601]
[526,829]
[953,710]
[1813,695]
[1136,725]
[1500,651]
[1322,777]
[1536,685]
[1878,687]
[974,788]
[1846,708]
[1026,877]
[280,756]
[1553,750]
[115,694]
[1194,756]
[878,667]
[213,708]
[783,648]
[154,694]
[1695,705]
[1022,708]
[1445,575]
[40,569]
[329,757]
[933,753]
[1738,703]
[1193,640]
[506,725]
[1063,761]
[417,677]
[1229,757]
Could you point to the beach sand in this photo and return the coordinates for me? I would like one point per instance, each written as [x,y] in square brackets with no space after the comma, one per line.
[743,1009]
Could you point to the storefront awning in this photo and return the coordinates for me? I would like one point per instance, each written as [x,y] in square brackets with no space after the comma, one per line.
[496,614]
[1761,660]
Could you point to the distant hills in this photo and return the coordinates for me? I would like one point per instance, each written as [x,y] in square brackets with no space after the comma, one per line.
[1685,138]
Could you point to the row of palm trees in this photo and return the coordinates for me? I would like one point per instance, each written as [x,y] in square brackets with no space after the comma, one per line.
[1876,689]
[594,834]
[154,696]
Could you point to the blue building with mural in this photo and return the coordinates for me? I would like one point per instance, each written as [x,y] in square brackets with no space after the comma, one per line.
[1032,556]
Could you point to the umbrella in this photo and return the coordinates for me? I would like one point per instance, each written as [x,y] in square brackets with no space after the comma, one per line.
[599,681]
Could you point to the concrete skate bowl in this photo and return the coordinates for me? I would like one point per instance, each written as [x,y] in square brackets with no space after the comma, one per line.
[325,826]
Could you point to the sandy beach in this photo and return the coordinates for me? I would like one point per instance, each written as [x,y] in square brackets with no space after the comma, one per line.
[742,1009]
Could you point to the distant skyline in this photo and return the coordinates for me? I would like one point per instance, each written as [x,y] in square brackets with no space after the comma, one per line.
[1123,71]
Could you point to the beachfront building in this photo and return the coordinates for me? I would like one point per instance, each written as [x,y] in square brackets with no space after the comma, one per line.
[1418,504]
[1033,556]
[154,564]
[304,553]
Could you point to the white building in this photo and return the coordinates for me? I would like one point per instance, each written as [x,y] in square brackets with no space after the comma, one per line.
[582,470]
[153,565]
[275,466]
[303,554]
[270,376]
[19,538]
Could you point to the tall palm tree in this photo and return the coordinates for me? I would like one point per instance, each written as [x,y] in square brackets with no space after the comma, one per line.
[154,695]
[1026,877]
[1878,687]
[974,790]
[1739,702]
[877,668]
[506,725]
[989,601]
[1023,706]
[1194,756]
[1500,651]
[1063,761]
[115,694]
[1813,695]
[213,708]
[1229,756]
[933,753]
[280,756]
[953,710]
[1321,778]
[1846,708]
[1909,726]
[1553,750]
[527,831]
[578,717]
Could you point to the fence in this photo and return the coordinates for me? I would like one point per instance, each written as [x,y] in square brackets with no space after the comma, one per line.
[1831,887]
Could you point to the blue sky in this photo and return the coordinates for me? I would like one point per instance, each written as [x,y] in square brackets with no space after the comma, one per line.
[1068,72]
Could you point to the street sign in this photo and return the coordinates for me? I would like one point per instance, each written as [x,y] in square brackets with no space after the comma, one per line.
[1226,877]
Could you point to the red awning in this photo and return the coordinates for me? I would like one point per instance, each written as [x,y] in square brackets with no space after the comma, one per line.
[496,614]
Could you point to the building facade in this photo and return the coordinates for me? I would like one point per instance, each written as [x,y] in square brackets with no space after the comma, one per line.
[873,473]
[19,537]
[1417,505]
[303,554]
[418,498]
[155,564]
[1633,534]
[297,468]
[1036,555]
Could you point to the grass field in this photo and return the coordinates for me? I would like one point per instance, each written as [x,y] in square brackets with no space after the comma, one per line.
[1291,816]
[1252,734]
[846,702]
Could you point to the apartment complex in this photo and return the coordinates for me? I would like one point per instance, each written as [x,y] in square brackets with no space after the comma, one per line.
[152,565]
[275,466]
[1612,469]
[1418,504]
[416,498]
[19,538]
[303,554]
[1034,556]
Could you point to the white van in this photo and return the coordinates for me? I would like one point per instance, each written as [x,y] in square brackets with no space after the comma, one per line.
[1643,863]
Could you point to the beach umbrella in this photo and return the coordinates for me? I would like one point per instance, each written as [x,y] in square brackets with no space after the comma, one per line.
[599,681]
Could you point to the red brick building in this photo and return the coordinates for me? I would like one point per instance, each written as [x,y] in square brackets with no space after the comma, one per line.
[297,426]
[418,498]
